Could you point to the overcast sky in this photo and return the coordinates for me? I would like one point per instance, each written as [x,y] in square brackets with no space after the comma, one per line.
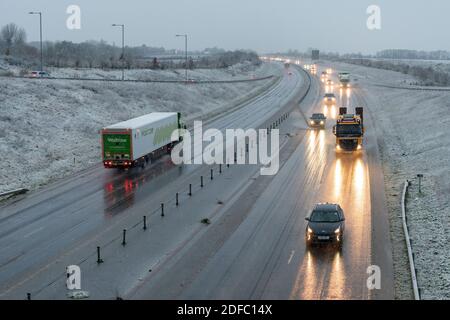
[261,25]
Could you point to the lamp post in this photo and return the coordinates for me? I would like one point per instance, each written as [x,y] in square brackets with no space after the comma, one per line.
[123,48]
[186,52]
[40,33]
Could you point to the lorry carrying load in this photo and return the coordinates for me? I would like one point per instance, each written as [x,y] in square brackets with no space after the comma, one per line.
[344,78]
[349,130]
[137,141]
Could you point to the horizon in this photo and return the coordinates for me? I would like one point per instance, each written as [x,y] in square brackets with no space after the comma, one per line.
[261,26]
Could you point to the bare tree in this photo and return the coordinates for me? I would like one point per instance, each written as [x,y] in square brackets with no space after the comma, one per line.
[20,37]
[8,34]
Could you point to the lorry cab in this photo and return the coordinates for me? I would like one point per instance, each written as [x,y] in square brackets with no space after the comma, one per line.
[349,130]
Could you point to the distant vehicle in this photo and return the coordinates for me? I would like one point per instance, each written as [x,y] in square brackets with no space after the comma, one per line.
[317,120]
[38,74]
[329,71]
[326,224]
[290,73]
[137,141]
[324,76]
[330,82]
[329,99]
[349,130]
[344,78]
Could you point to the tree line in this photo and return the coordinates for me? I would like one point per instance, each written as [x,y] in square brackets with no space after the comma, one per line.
[99,54]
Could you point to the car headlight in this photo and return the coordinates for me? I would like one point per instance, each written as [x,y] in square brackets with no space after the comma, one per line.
[321,122]
[310,231]
[338,230]
[312,122]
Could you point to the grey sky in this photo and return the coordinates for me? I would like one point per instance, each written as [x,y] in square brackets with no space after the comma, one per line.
[261,25]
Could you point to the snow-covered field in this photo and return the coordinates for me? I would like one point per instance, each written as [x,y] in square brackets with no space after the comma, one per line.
[50,128]
[239,71]
[415,131]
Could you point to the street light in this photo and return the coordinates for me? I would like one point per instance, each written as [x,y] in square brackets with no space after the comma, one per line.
[185,51]
[123,47]
[40,32]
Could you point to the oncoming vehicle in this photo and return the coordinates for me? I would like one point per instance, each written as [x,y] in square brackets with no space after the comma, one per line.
[344,78]
[324,76]
[349,130]
[329,99]
[326,224]
[317,120]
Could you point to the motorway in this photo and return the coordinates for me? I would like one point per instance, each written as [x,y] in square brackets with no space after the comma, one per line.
[254,247]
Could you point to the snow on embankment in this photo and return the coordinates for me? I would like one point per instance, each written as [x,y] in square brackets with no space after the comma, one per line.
[47,124]
[415,130]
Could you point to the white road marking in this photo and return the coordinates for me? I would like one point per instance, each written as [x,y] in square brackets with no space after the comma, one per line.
[291,256]
[33,232]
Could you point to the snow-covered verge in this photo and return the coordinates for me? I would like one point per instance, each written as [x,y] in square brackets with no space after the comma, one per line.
[426,73]
[414,127]
[375,76]
[50,128]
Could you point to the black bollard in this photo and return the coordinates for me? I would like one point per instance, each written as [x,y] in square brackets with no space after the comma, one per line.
[145,222]
[190,190]
[99,259]
[176,200]
[162,209]
[124,235]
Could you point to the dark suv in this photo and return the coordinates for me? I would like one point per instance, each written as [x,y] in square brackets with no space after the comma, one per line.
[326,224]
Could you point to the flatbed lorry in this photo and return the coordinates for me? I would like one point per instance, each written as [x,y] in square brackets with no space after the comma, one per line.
[137,141]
